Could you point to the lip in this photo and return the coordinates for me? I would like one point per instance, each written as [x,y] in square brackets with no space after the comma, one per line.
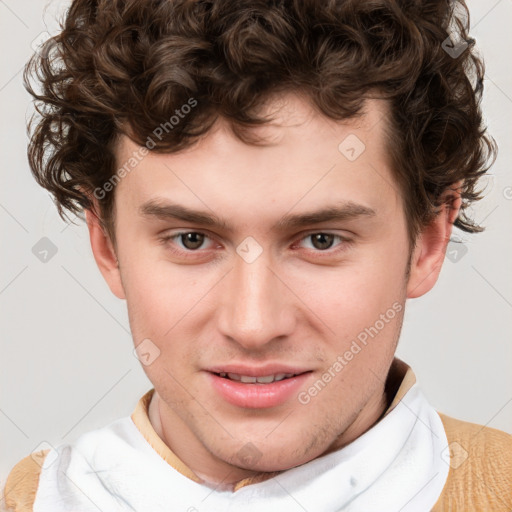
[257,396]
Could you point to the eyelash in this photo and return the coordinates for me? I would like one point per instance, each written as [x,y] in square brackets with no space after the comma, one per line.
[345,242]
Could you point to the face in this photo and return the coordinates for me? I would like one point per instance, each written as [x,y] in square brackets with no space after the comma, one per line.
[271,288]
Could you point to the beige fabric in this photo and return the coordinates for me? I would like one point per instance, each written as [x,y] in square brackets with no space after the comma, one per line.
[480,477]
[482,481]
[21,486]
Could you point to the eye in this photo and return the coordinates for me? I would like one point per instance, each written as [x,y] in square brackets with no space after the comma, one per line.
[321,241]
[190,241]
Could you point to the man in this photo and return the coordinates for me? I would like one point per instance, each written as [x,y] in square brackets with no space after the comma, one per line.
[266,184]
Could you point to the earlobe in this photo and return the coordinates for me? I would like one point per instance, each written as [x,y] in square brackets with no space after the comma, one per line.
[428,255]
[104,254]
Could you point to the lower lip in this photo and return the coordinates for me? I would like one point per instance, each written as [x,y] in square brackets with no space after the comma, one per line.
[257,396]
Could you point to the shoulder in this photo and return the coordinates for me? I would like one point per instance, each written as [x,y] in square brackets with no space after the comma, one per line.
[22,482]
[480,475]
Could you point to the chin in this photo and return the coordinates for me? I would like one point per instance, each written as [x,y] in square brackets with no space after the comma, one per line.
[250,458]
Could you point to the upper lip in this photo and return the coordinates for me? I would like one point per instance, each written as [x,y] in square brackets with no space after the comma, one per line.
[257,371]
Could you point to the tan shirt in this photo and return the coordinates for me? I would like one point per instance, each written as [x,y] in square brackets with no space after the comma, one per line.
[479,479]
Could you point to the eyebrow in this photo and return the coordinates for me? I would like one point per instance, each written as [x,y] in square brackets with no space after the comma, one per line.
[165,210]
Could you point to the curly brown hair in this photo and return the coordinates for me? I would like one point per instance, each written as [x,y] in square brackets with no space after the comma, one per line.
[124,66]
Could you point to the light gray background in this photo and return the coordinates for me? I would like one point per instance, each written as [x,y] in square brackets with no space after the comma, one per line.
[66,352]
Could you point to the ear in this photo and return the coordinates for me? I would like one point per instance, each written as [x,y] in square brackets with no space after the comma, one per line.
[430,249]
[104,253]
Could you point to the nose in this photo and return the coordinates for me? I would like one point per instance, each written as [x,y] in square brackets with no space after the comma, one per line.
[256,306]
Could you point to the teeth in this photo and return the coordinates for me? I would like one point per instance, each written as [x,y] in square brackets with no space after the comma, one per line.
[246,379]
[265,380]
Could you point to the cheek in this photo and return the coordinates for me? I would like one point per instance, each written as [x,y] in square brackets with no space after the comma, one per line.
[156,297]
[160,311]
[164,301]
[353,296]
[362,303]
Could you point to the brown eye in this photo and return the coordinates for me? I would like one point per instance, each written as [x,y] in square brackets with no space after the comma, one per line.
[322,241]
[192,240]
[188,244]
[321,244]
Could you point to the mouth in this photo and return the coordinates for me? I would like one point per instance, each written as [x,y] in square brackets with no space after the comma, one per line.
[258,388]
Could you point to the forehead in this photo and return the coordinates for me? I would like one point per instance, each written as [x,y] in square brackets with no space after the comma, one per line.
[307,159]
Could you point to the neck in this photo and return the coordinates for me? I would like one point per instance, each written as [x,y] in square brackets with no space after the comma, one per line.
[372,413]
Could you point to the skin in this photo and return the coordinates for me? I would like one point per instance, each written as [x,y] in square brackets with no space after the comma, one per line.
[295,304]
